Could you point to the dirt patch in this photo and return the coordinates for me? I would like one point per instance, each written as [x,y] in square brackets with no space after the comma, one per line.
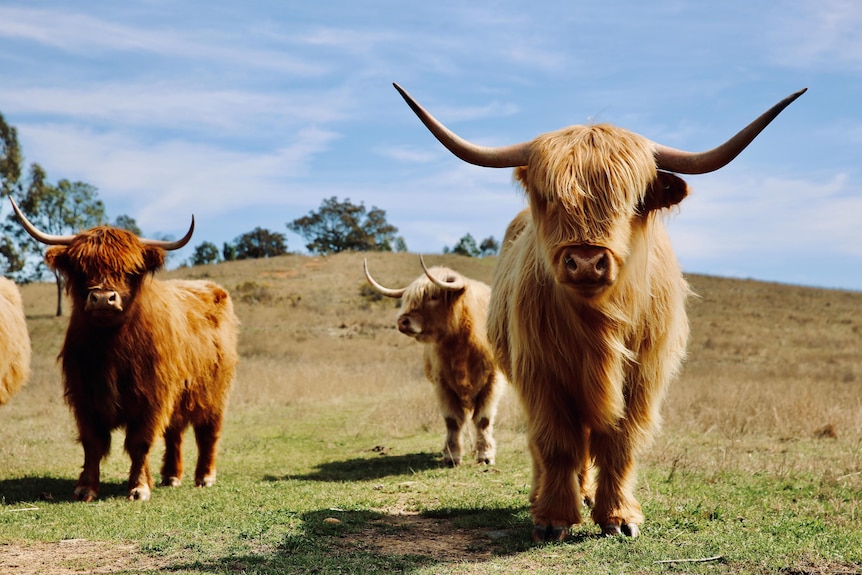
[413,534]
[74,556]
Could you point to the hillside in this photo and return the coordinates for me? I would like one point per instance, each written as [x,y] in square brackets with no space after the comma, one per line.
[767,358]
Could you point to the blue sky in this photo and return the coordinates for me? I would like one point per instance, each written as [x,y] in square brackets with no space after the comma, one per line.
[251,113]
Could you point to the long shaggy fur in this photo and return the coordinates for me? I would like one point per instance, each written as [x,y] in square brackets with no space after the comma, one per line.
[458,358]
[166,362]
[14,341]
[591,372]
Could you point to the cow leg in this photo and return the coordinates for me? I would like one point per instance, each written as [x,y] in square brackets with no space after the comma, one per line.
[207,435]
[616,510]
[454,415]
[97,443]
[555,495]
[452,447]
[172,466]
[586,478]
[484,414]
[139,441]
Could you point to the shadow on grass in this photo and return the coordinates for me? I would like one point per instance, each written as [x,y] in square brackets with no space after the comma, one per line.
[375,467]
[42,490]
[372,542]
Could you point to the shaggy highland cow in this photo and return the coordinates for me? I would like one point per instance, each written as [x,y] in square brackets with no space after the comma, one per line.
[447,312]
[152,356]
[587,315]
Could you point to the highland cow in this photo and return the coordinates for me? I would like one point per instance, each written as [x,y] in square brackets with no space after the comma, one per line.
[148,355]
[447,312]
[587,316]
[14,341]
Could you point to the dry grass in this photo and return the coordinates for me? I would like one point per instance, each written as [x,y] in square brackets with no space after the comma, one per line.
[765,360]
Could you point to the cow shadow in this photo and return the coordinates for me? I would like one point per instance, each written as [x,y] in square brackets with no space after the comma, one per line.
[371,541]
[366,468]
[47,490]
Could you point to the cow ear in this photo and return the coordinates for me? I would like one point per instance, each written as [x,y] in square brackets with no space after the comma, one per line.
[57,259]
[154,258]
[666,190]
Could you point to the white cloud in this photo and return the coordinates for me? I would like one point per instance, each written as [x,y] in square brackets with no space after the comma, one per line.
[817,34]
[756,216]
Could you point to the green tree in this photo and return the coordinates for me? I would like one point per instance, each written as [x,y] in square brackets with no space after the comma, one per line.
[10,181]
[489,246]
[228,252]
[466,246]
[128,223]
[205,253]
[340,226]
[260,243]
[10,159]
[62,209]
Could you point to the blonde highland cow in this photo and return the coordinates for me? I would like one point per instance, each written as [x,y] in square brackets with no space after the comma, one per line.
[447,312]
[587,315]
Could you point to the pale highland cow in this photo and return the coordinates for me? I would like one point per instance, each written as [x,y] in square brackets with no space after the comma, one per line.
[587,315]
[447,312]
[152,356]
[14,341]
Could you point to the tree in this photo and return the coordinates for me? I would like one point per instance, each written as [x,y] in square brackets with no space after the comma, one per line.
[228,252]
[260,243]
[64,209]
[10,181]
[340,226]
[128,223]
[10,159]
[489,247]
[466,246]
[205,253]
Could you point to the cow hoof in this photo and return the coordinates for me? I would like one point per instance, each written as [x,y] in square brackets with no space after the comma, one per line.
[485,461]
[171,481]
[139,494]
[448,462]
[627,529]
[207,481]
[543,533]
[85,494]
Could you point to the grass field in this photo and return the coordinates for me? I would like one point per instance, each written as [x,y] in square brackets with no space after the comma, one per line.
[330,461]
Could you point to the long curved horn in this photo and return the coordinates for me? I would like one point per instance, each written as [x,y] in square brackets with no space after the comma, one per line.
[703,162]
[454,284]
[388,292]
[35,232]
[502,157]
[171,245]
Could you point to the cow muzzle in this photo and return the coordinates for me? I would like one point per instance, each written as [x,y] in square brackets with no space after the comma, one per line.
[588,268]
[408,326]
[101,301]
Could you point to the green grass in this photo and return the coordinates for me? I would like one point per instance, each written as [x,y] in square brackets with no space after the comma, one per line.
[330,458]
[282,478]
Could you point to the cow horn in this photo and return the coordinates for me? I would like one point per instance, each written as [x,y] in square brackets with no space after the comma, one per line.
[35,232]
[454,284]
[502,157]
[388,292]
[171,245]
[703,162]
